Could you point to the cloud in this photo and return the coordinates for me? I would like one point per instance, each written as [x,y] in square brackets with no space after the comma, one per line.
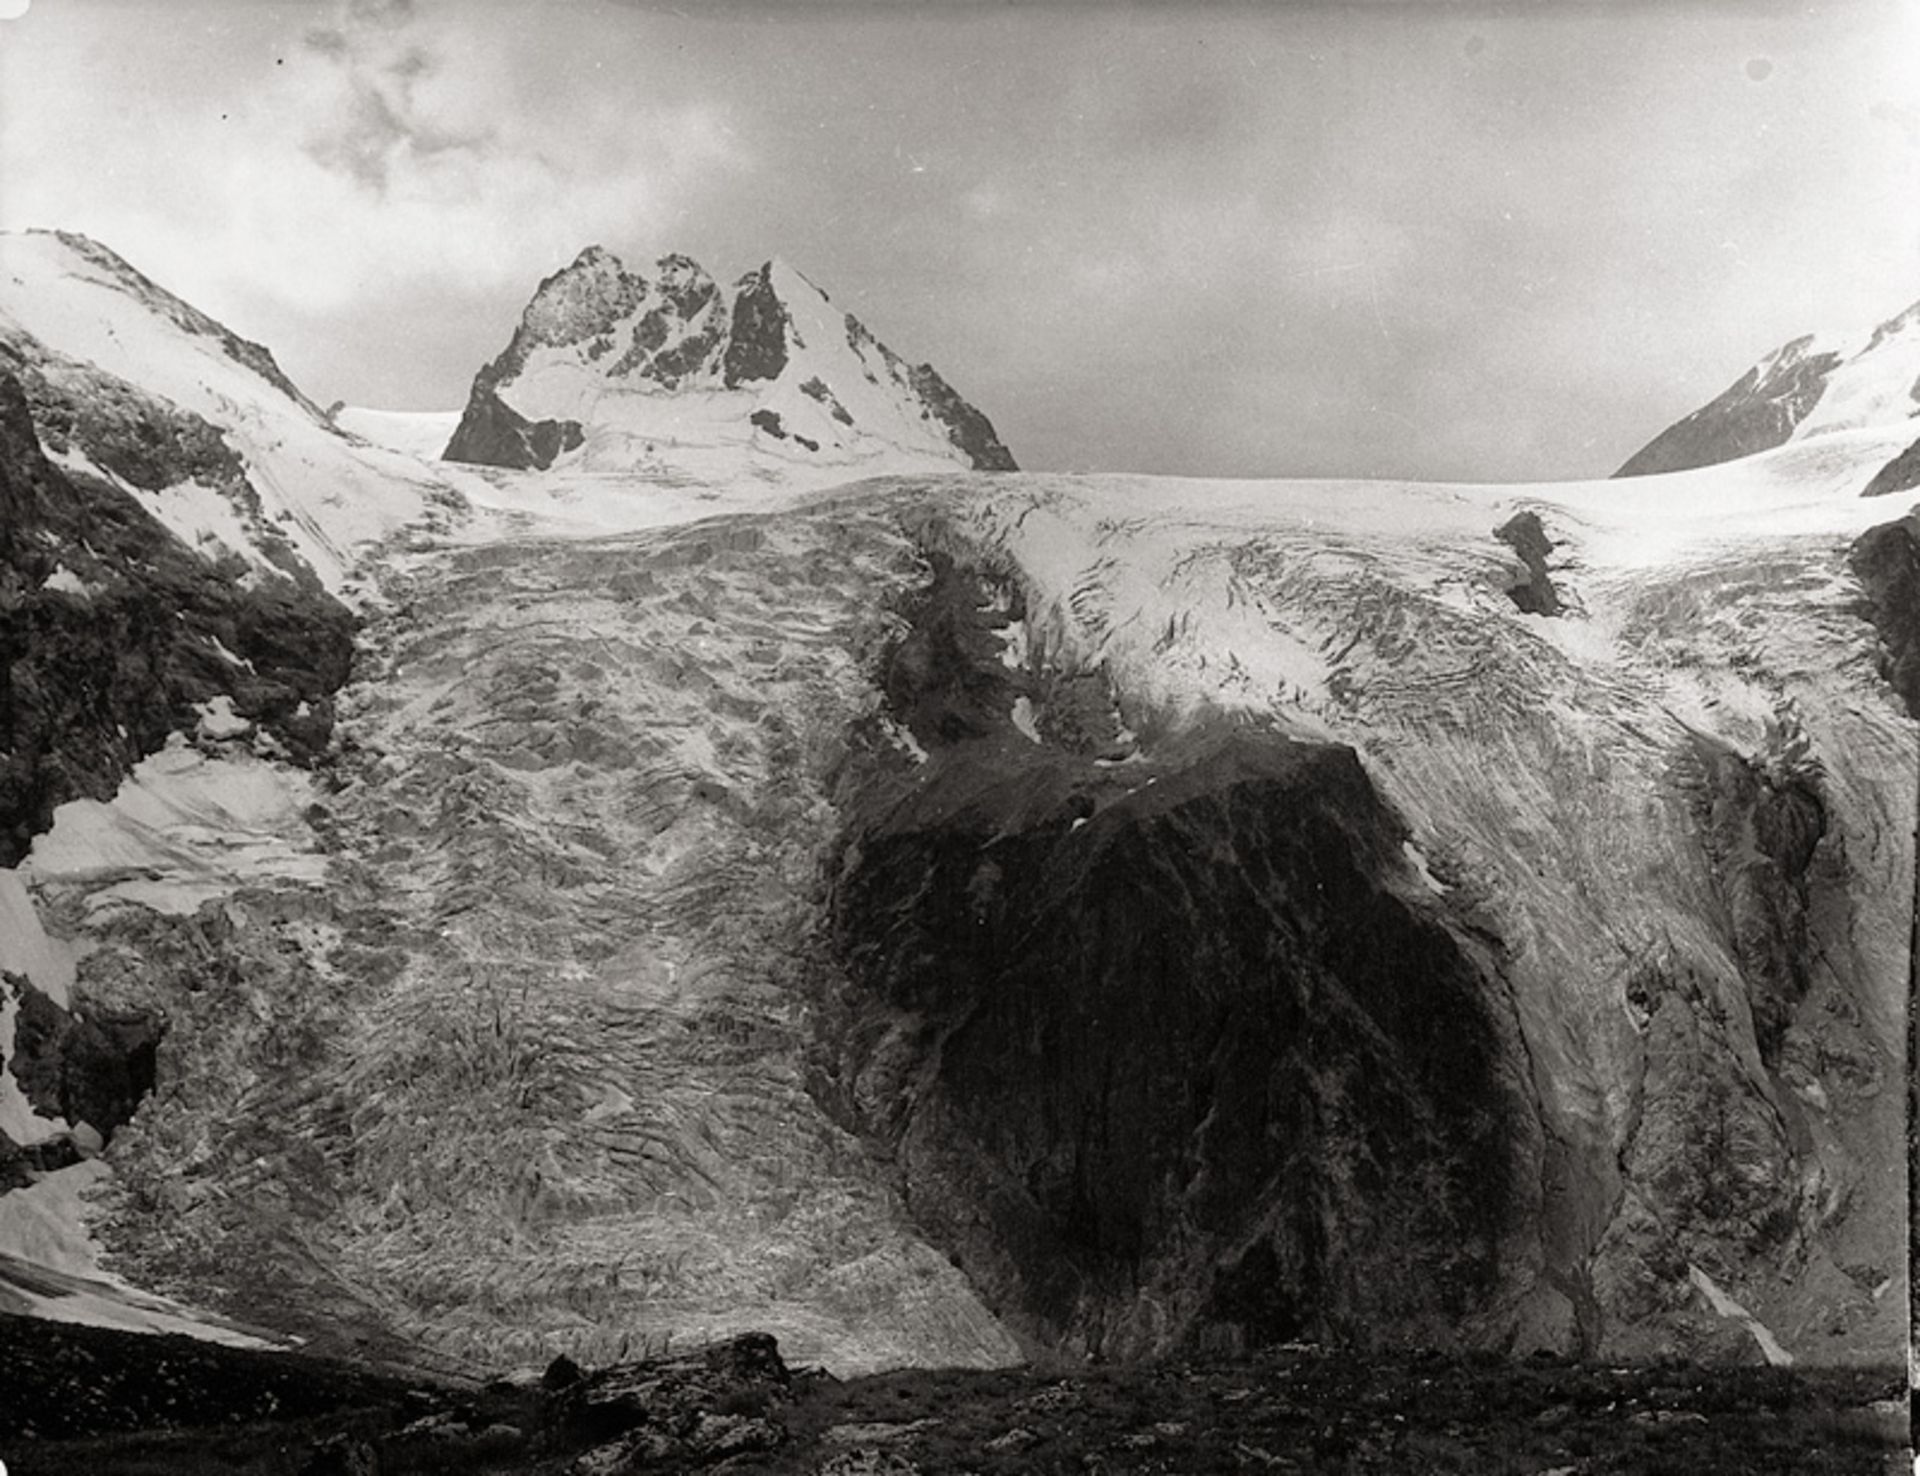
[373,60]
[394,151]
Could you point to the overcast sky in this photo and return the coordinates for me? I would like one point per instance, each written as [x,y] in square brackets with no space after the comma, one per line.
[1443,240]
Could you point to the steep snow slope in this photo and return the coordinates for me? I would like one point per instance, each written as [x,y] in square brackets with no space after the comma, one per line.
[611,370]
[1809,387]
[419,433]
[329,496]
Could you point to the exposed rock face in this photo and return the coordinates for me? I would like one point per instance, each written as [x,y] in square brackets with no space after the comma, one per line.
[1535,594]
[968,429]
[1164,1051]
[1898,475]
[93,1068]
[1761,823]
[627,365]
[1886,561]
[757,347]
[493,434]
[99,664]
[1757,412]
[150,444]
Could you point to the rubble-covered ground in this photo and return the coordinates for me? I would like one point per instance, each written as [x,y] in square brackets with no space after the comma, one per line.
[168,1404]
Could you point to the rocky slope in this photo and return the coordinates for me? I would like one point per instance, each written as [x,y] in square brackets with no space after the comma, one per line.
[610,369]
[114,633]
[103,1403]
[1809,387]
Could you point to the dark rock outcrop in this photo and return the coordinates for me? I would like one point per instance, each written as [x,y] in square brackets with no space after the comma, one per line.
[690,1410]
[757,347]
[1899,475]
[93,1067]
[966,427]
[1164,1031]
[1886,561]
[1535,594]
[493,433]
[97,670]
[1755,413]
[1772,402]
[1761,823]
[147,442]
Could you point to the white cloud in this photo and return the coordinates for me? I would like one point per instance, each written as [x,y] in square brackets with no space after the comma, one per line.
[385,149]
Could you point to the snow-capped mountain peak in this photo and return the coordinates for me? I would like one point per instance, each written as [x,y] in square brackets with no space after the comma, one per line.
[616,370]
[1814,385]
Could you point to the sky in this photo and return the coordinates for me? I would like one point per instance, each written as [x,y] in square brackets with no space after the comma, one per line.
[1444,240]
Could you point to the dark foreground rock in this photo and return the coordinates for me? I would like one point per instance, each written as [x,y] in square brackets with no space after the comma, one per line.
[90,1400]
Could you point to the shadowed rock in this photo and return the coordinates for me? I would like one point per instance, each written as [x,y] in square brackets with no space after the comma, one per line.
[93,679]
[1163,1033]
[1534,595]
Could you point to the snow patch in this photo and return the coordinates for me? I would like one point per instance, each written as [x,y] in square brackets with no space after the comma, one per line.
[65,581]
[1727,1307]
[183,829]
[25,947]
[218,719]
[1016,647]
[50,1266]
[1022,716]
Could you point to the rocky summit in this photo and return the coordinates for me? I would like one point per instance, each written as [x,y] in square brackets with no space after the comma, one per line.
[737,877]
[610,369]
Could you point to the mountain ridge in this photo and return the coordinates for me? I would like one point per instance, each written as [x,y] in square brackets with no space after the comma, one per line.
[674,356]
[1812,385]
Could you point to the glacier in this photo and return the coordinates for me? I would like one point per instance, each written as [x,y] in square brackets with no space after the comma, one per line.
[951,917]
